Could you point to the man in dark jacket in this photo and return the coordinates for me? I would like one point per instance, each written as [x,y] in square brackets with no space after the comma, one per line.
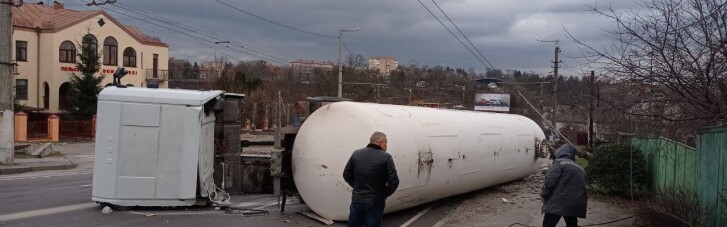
[564,192]
[372,175]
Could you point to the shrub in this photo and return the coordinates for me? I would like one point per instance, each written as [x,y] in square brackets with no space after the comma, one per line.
[670,207]
[610,169]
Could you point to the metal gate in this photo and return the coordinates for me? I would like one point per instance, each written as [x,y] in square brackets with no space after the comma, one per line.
[76,129]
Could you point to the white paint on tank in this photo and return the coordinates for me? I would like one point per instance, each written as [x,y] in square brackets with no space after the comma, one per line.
[438,153]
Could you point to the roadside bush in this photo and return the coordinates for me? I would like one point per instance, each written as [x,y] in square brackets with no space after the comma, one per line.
[610,168]
[670,207]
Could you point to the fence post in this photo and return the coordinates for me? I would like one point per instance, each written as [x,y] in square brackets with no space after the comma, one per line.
[53,128]
[21,127]
[93,130]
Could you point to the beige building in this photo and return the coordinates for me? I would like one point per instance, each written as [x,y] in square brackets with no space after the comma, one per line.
[47,39]
[305,70]
[383,64]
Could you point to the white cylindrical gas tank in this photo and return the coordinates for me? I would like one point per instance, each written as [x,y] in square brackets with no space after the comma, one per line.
[438,153]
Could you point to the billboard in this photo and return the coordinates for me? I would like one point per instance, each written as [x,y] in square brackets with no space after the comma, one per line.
[492,102]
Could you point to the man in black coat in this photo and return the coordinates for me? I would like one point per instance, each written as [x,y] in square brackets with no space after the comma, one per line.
[564,193]
[371,173]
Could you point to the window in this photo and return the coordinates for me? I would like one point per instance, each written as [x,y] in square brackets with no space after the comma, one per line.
[90,41]
[21,89]
[129,57]
[67,52]
[21,51]
[110,51]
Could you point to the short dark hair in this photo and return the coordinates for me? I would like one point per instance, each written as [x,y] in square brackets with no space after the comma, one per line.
[377,137]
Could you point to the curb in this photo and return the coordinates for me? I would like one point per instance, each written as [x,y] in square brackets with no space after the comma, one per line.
[25,169]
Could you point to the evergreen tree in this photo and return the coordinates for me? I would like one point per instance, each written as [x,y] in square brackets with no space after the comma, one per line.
[83,93]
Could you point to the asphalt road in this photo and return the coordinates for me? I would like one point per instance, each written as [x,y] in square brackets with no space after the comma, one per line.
[64,199]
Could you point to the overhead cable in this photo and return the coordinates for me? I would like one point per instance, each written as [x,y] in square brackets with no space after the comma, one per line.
[463,35]
[275,23]
[455,36]
[187,28]
[184,33]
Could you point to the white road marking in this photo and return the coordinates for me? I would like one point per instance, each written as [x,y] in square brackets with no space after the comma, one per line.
[36,213]
[7,178]
[86,185]
[412,220]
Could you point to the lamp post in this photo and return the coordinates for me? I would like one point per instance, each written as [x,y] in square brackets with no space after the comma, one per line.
[555,77]
[340,59]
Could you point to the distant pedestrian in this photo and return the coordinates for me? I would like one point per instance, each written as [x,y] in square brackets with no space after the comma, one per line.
[564,191]
[371,173]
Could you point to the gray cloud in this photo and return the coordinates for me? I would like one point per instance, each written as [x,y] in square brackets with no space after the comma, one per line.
[503,30]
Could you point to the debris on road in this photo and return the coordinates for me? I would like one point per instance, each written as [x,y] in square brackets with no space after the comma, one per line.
[316,217]
[107,210]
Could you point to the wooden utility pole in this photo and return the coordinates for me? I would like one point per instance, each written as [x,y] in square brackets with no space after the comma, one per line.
[590,111]
[7,129]
[555,83]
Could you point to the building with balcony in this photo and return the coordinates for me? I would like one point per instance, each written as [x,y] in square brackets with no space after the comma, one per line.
[383,64]
[305,71]
[47,39]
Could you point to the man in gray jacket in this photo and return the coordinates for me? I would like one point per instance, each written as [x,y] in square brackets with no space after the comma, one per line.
[564,193]
[371,173]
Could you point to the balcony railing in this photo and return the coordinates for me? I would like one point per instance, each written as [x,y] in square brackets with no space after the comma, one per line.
[159,74]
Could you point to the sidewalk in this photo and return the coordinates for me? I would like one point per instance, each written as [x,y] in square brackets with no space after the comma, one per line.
[64,157]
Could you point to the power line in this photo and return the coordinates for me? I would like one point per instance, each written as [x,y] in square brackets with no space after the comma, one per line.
[275,23]
[181,32]
[191,40]
[347,50]
[455,36]
[141,12]
[187,28]
[463,35]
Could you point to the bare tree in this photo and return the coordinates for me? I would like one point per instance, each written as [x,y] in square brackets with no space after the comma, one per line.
[668,58]
[356,61]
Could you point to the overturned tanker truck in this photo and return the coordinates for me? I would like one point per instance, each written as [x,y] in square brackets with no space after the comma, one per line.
[437,153]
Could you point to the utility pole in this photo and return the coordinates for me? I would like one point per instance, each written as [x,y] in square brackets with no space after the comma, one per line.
[409,96]
[340,64]
[555,78]
[463,93]
[7,128]
[590,111]
[340,60]
[555,82]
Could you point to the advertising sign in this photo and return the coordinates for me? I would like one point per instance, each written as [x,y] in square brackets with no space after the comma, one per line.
[492,102]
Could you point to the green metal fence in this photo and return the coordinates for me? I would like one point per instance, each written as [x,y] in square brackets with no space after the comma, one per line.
[711,174]
[670,163]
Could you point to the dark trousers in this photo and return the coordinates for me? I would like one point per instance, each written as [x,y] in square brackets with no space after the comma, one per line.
[551,220]
[363,214]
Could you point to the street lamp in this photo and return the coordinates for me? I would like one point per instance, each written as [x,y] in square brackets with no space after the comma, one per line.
[340,59]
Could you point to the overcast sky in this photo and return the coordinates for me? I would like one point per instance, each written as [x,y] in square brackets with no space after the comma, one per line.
[503,30]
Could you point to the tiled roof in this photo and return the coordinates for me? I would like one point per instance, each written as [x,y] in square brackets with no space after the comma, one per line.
[53,19]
